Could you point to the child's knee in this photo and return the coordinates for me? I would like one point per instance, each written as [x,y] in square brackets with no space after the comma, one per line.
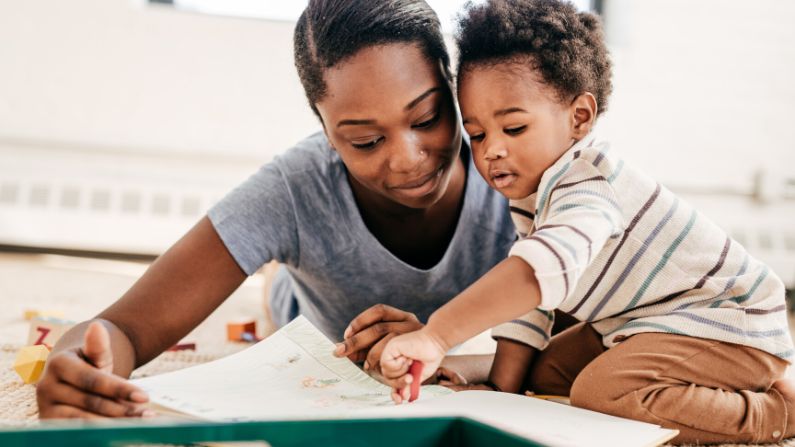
[590,391]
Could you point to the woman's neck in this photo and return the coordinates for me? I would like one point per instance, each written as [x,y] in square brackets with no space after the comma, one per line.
[419,237]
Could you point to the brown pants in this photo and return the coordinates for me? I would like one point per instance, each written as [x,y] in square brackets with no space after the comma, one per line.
[712,392]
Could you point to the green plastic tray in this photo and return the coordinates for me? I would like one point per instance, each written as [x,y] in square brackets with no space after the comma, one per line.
[425,432]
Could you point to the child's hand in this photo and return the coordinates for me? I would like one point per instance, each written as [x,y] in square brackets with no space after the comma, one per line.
[370,331]
[401,352]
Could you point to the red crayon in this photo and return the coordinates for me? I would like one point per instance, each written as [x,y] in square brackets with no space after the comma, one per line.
[416,372]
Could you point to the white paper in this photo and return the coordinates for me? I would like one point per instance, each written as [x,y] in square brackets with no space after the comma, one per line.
[294,375]
[291,374]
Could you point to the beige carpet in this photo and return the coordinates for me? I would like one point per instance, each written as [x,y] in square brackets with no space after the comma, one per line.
[80,288]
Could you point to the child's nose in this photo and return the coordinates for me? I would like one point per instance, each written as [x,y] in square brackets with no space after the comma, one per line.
[495,150]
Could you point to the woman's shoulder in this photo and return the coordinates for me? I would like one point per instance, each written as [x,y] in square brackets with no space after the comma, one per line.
[310,154]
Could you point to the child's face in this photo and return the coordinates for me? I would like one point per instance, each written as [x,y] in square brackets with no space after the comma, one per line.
[517,124]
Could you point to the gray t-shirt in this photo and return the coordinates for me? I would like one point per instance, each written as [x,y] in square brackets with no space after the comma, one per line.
[299,210]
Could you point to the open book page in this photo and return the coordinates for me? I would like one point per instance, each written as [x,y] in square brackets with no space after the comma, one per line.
[293,375]
[542,421]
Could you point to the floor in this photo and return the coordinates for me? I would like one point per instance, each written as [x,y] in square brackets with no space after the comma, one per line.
[79,288]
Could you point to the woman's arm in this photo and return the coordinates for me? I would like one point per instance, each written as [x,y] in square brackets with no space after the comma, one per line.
[179,290]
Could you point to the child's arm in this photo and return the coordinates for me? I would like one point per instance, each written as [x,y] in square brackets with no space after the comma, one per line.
[508,290]
[511,364]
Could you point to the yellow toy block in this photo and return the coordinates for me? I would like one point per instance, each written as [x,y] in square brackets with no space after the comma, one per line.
[47,331]
[235,330]
[33,313]
[30,362]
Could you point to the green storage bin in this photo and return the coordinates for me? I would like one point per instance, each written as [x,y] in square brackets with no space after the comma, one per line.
[415,432]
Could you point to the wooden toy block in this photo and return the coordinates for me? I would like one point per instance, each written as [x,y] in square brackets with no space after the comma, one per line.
[47,331]
[235,329]
[46,313]
[30,361]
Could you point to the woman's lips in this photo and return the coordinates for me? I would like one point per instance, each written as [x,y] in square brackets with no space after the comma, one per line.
[422,186]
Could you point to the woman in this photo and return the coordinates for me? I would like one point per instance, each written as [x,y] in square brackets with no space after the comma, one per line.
[383,206]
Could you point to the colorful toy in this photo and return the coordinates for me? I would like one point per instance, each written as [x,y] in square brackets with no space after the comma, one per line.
[30,361]
[249,337]
[235,330]
[33,313]
[416,372]
[47,331]
[183,347]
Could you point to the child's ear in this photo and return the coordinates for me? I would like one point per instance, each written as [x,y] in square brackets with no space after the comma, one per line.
[583,114]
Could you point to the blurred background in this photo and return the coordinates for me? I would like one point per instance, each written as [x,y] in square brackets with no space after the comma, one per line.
[123,121]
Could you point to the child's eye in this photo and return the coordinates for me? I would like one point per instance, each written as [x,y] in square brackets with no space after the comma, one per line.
[427,123]
[367,145]
[515,130]
[477,136]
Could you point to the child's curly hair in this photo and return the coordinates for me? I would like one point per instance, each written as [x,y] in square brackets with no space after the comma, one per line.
[565,46]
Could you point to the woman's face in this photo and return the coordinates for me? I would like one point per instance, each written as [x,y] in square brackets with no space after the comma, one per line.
[389,113]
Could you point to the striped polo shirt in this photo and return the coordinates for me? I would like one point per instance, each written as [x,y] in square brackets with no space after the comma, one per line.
[612,247]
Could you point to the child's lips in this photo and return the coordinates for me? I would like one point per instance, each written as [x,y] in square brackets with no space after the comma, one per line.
[503,179]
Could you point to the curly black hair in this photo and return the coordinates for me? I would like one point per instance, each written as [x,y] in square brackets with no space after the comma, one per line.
[331,31]
[564,46]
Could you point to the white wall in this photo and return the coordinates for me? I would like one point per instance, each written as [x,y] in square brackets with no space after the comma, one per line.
[114,74]
[704,89]
[111,98]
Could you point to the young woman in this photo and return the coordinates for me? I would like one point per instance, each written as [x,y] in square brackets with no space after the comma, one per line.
[382,212]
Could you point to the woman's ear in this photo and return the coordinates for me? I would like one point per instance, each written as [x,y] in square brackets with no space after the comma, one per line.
[583,115]
[328,137]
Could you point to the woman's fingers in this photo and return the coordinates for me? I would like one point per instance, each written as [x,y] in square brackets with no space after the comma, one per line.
[447,375]
[364,340]
[73,371]
[375,314]
[96,347]
[64,394]
[70,382]
[467,387]
[59,411]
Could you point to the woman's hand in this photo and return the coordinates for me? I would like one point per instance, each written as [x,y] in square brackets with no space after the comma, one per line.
[401,352]
[79,383]
[446,377]
[368,334]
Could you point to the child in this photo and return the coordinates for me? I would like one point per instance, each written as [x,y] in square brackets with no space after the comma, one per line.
[680,326]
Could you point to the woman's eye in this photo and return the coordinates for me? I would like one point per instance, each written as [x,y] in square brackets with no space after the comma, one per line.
[515,130]
[369,144]
[427,123]
[477,137]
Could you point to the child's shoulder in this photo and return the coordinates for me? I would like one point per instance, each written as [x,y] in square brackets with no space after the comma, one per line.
[599,154]
[586,160]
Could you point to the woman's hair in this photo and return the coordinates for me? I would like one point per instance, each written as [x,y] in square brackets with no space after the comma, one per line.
[564,46]
[330,31]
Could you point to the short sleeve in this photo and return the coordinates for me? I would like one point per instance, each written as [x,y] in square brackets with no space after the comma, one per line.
[257,222]
[533,329]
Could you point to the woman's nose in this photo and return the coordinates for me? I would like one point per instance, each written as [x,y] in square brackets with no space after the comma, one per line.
[407,155]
